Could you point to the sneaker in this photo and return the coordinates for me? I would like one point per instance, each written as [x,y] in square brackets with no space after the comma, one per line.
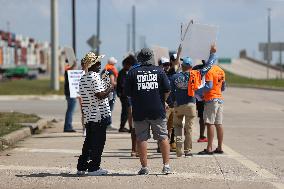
[80,173]
[111,128]
[187,154]
[70,131]
[98,172]
[123,130]
[202,140]
[143,171]
[167,170]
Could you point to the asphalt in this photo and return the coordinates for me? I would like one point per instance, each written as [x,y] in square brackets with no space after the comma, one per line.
[253,145]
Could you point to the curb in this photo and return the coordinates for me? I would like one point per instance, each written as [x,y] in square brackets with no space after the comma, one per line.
[27,130]
[31,97]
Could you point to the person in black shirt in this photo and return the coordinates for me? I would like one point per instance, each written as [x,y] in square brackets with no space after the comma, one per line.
[126,110]
[149,88]
[71,102]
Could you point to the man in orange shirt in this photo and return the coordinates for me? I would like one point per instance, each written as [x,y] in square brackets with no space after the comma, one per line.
[213,109]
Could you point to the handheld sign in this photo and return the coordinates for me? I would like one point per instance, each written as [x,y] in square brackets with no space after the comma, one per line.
[74,77]
[160,52]
[70,55]
[198,40]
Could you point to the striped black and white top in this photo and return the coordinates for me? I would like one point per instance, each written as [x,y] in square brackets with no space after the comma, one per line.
[94,109]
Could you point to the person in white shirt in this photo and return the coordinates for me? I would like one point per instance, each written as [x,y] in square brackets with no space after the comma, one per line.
[94,93]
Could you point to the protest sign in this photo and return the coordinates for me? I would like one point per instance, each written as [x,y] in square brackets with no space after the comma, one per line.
[160,52]
[74,77]
[70,55]
[198,40]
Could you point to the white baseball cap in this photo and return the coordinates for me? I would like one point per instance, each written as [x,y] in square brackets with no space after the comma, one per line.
[112,60]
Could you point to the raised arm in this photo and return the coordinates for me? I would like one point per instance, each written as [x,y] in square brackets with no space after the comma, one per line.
[211,60]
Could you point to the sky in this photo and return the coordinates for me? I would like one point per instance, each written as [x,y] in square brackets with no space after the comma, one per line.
[242,23]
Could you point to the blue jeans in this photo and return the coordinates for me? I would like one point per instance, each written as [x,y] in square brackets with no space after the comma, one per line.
[111,105]
[71,104]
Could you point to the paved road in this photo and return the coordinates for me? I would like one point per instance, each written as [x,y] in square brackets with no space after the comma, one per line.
[254,146]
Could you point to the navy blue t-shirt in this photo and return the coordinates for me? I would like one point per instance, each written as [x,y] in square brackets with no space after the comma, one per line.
[146,85]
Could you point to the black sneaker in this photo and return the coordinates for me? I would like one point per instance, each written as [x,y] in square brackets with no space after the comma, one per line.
[70,131]
[123,130]
[187,154]
[143,171]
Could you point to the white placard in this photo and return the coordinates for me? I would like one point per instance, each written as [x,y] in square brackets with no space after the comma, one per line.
[74,77]
[198,40]
[160,52]
[70,55]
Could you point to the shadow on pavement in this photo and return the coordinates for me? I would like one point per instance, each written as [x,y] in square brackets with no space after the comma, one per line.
[62,136]
[72,175]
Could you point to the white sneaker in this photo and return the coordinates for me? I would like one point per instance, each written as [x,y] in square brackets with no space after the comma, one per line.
[98,172]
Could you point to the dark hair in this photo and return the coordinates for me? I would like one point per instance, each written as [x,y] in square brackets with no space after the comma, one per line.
[129,60]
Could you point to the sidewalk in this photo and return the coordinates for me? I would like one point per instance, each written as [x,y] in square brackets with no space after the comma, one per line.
[48,160]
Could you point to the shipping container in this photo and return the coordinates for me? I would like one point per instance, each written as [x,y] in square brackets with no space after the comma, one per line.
[1,55]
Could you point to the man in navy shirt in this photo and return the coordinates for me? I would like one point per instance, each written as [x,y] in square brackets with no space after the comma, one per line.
[149,87]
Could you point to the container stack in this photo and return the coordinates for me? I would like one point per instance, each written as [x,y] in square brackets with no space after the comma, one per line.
[17,50]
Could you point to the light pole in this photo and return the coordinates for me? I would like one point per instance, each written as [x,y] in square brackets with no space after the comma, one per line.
[98,26]
[133,29]
[74,25]
[54,45]
[268,41]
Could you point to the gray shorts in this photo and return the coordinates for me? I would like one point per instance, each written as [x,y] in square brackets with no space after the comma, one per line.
[158,126]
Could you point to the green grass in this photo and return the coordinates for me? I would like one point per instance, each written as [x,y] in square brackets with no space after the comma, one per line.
[232,79]
[9,121]
[28,87]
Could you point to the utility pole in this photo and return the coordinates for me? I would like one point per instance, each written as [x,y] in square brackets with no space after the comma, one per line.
[133,29]
[128,38]
[268,41]
[98,25]
[280,60]
[54,45]
[74,26]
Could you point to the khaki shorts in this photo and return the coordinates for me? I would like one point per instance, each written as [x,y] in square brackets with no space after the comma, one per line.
[213,113]
[158,126]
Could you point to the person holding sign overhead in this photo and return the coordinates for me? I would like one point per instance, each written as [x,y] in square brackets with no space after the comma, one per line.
[184,84]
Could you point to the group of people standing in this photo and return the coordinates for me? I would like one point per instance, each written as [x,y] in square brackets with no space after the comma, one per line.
[153,98]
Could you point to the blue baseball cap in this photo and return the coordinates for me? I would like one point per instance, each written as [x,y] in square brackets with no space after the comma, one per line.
[187,62]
